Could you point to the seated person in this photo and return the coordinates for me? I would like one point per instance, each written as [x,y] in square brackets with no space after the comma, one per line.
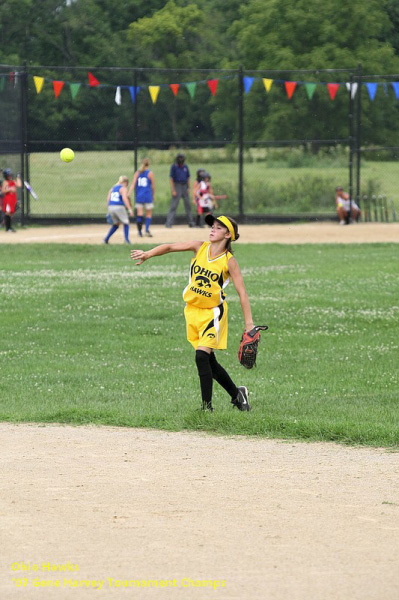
[344,205]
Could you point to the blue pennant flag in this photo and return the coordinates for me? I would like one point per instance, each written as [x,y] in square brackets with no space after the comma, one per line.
[395,86]
[248,81]
[134,92]
[372,89]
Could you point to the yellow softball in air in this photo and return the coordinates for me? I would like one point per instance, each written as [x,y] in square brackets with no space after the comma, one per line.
[67,155]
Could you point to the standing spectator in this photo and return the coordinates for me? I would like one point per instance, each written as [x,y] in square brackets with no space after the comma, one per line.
[118,206]
[144,186]
[180,185]
[345,208]
[9,192]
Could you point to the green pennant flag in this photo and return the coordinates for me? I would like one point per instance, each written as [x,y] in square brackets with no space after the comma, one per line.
[310,89]
[74,89]
[2,83]
[191,88]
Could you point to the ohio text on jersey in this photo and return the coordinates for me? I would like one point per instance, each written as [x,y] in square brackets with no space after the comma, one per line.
[208,278]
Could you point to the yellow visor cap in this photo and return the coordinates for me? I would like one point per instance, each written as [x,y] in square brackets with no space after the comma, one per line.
[224,221]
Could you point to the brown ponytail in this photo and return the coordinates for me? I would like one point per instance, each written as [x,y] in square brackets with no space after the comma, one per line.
[144,165]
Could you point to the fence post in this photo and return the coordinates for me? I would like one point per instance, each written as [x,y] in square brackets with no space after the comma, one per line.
[135,121]
[25,200]
[358,130]
[240,142]
[351,139]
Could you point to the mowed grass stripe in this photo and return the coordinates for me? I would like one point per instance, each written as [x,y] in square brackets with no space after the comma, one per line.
[87,337]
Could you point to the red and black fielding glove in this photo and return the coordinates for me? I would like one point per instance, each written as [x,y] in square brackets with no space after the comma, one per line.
[249,346]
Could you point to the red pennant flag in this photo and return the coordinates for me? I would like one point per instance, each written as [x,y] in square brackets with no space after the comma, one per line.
[92,80]
[289,88]
[174,87]
[213,85]
[332,89]
[57,85]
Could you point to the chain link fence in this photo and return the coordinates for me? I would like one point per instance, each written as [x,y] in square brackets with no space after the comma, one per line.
[11,147]
[222,120]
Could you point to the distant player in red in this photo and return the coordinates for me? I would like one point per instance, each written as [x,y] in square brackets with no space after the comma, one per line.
[196,187]
[207,199]
[9,191]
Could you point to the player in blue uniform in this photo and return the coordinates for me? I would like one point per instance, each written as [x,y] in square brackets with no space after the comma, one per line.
[144,186]
[118,205]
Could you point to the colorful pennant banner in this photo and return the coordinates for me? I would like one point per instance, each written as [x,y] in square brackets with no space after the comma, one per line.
[248,81]
[154,91]
[395,86]
[372,89]
[75,87]
[352,88]
[332,89]
[93,82]
[133,92]
[310,89]
[57,85]
[39,81]
[268,84]
[213,86]
[118,96]
[191,87]
[290,88]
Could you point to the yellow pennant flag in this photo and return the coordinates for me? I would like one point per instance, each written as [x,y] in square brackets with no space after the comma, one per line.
[268,84]
[38,83]
[154,91]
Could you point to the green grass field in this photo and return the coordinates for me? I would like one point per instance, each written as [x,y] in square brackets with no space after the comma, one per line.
[270,185]
[87,337]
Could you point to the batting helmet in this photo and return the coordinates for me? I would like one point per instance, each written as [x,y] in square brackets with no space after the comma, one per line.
[7,173]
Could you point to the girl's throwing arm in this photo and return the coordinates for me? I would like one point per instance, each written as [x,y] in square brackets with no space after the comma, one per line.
[141,256]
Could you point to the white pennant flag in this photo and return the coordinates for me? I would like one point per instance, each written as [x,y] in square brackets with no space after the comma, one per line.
[353,90]
[118,96]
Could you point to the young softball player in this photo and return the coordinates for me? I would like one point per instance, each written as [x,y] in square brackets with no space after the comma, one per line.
[206,309]
[119,205]
[143,185]
[9,193]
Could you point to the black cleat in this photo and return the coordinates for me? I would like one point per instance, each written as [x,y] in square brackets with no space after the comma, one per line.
[207,406]
[241,401]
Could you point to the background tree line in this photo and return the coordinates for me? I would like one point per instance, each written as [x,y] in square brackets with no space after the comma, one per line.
[264,35]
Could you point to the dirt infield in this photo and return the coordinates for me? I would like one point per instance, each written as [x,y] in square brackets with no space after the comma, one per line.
[127,513]
[262,234]
[246,518]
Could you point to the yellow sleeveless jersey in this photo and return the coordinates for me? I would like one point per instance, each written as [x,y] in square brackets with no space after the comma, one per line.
[208,278]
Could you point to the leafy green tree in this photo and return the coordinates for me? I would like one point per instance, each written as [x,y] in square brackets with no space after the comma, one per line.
[271,36]
[169,38]
[74,32]
[311,34]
